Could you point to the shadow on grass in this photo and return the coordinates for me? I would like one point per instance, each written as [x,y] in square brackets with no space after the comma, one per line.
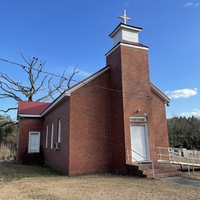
[10,171]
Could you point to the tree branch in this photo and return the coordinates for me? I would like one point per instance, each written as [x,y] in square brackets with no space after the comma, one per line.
[5,111]
[71,77]
[37,82]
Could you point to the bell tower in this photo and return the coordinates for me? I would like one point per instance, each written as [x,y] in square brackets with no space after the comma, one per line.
[130,88]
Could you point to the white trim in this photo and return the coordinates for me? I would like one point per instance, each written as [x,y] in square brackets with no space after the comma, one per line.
[134,46]
[140,119]
[59,129]
[67,93]
[47,136]
[52,134]
[125,27]
[79,85]
[38,149]
[76,87]
[27,115]
[160,93]
[126,45]
[54,103]
[112,49]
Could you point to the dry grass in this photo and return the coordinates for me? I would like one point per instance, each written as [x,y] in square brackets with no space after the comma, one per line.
[33,182]
[5,153]
[25,182]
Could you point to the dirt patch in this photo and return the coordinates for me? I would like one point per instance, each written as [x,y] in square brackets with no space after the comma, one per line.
[33,182]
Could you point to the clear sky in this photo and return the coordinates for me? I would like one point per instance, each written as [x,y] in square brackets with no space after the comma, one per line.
[75,33]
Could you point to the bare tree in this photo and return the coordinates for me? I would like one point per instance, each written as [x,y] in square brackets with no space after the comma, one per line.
[37,82]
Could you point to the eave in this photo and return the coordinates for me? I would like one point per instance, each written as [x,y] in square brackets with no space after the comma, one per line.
[121,25]
[128,44]
[164,97]
[30,116]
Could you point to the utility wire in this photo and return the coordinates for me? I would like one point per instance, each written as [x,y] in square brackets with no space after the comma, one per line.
[82,82]
[25,67]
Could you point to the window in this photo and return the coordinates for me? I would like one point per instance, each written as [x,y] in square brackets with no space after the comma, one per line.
[47,135]
[59,130]
[34,142]
[52,133]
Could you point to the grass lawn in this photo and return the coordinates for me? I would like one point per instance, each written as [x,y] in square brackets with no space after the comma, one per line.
[10,171]
[27,182]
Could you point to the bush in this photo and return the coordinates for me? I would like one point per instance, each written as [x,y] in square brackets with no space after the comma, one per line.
[11,143]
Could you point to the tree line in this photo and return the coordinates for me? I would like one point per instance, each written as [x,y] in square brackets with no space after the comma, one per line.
[184,132]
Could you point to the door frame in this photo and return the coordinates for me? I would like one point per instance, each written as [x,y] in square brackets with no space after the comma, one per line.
[29,142]
[140,121]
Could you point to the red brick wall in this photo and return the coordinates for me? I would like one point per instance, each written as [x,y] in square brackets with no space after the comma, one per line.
[136,91]
[90,127]
[117,113]
[26,125]
[130,71]
[58,160]
[160,121]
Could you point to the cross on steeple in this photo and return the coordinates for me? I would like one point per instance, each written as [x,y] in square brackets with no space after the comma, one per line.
[124,17]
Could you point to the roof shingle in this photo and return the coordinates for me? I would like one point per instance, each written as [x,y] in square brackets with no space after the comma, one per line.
[31,108]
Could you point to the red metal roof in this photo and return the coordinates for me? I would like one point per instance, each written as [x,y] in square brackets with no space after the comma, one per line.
[31,108]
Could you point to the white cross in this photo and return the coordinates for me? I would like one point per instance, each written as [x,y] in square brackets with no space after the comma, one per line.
[124,17]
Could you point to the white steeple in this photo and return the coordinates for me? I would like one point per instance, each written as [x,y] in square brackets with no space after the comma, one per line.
[126,33]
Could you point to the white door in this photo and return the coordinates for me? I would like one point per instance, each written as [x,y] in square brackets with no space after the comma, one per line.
[139,143]
[34,142]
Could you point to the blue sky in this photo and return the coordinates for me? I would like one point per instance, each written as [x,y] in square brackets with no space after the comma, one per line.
[75,33]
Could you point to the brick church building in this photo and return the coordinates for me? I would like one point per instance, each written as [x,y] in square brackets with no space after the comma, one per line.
[112,118]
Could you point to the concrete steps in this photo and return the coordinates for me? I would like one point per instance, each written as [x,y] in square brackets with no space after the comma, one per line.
[161,170]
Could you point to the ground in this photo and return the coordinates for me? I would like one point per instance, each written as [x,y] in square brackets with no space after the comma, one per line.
[26,182]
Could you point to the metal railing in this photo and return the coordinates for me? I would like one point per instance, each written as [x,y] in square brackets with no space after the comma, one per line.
[180,156]
[128,156]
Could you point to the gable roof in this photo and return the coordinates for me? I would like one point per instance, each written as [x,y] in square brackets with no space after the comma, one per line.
[29,108]
[75,87]
[39,109]
[87,80]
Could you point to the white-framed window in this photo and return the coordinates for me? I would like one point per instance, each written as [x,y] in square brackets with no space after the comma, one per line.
[34,142]
[59,130]
[52,134]
[47,136]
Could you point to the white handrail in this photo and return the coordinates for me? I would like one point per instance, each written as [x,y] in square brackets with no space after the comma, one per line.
[140,162]
[180,156]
